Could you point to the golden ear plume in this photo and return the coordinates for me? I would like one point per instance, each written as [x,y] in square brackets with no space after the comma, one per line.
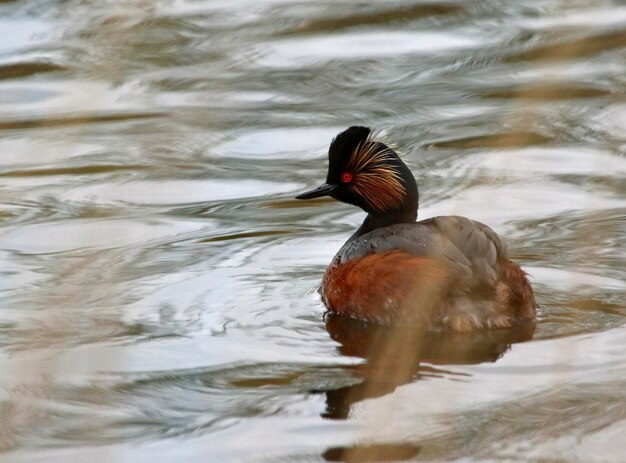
[375,177]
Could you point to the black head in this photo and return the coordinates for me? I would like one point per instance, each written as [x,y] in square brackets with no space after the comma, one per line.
[367,173]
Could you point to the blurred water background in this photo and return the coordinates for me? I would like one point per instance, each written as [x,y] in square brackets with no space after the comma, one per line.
[158,282]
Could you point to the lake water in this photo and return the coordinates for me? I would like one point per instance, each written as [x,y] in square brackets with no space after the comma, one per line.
[158,282]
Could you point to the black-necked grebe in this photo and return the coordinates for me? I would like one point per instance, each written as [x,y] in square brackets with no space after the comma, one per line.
[445,272]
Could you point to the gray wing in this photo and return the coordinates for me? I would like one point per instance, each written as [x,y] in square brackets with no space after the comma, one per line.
[480,245]
[471,249]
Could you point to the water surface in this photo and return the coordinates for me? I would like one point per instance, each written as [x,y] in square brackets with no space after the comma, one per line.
[158,282]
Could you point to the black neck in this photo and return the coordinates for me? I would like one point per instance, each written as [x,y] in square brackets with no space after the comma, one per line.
[374,221]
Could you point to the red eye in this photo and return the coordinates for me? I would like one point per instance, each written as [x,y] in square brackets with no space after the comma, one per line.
[346,177]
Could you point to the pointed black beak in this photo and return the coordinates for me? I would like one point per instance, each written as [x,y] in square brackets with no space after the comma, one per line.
[323,190]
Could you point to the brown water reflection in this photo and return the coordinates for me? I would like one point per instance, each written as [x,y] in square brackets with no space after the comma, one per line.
[396,355]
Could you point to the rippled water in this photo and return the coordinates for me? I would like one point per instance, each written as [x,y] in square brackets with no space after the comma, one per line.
[158,282]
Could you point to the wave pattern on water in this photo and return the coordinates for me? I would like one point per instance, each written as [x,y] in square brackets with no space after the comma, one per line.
[158,282]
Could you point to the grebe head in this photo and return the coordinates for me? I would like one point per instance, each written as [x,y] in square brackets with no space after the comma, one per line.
[369,174]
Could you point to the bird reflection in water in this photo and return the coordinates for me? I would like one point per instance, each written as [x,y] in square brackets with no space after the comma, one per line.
[400,354]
